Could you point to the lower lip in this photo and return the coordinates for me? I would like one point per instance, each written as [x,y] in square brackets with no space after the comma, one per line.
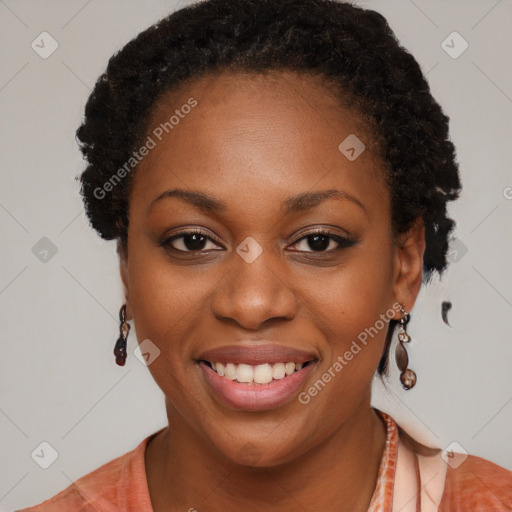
[256,397]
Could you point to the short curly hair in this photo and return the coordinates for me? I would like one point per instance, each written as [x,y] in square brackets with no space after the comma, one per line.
[353,48]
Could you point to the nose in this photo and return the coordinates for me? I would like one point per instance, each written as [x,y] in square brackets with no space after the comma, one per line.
[254,294]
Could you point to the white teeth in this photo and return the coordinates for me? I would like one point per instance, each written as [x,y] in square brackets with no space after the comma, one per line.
[256,374]
[263,374]
[244,373]
[289,368]
[278,372]
[230,372]
[220,369]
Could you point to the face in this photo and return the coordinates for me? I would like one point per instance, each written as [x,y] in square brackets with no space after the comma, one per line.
[277,250]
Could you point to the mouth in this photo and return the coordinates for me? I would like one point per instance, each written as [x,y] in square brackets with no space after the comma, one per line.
[256,377]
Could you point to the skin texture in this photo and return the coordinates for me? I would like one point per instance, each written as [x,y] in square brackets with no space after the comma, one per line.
[251,142]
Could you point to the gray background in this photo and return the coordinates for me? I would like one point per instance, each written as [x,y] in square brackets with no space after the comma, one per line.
[59,381]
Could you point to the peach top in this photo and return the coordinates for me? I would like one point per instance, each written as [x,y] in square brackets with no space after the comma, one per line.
[476,485]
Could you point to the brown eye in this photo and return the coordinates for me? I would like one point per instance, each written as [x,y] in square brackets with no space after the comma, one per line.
[322,241]
[190,241]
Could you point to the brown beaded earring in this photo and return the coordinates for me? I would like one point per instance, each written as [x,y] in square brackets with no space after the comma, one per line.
[407,376]
[124,329]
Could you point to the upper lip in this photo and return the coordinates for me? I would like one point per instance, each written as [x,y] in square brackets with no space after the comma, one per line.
[256,354]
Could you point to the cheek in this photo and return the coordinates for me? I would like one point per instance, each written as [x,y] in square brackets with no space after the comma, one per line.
[352,306]
[162,302]
[164,297]
[167,310]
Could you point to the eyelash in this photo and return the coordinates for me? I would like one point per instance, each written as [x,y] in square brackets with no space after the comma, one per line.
[343,242]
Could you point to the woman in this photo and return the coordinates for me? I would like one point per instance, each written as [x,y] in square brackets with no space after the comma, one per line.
[276,176]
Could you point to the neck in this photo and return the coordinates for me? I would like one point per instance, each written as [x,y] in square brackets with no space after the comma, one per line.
[339,474]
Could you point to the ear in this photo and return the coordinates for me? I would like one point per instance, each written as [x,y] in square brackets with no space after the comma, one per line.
[408,264]
[122,252]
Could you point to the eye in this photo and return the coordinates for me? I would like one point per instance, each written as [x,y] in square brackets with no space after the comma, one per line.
[196,240]
[323,241]
[190,241]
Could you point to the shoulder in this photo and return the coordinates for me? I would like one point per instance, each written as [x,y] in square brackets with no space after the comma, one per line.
[111,487]
[470,482]
[473,483]
[98,485]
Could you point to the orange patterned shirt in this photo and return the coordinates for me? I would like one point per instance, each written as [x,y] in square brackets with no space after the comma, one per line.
[476,485]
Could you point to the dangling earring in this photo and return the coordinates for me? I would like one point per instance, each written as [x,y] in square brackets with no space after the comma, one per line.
[124,329]
[407,376]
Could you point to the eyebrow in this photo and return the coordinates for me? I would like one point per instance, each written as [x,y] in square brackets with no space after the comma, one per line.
[294,204]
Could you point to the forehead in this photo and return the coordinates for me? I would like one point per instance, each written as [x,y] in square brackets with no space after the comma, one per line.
[249,134]
[307,95]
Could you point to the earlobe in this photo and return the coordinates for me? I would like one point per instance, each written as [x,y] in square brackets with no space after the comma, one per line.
[408,271]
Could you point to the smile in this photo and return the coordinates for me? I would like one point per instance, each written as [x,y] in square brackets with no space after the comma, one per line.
[253,377]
